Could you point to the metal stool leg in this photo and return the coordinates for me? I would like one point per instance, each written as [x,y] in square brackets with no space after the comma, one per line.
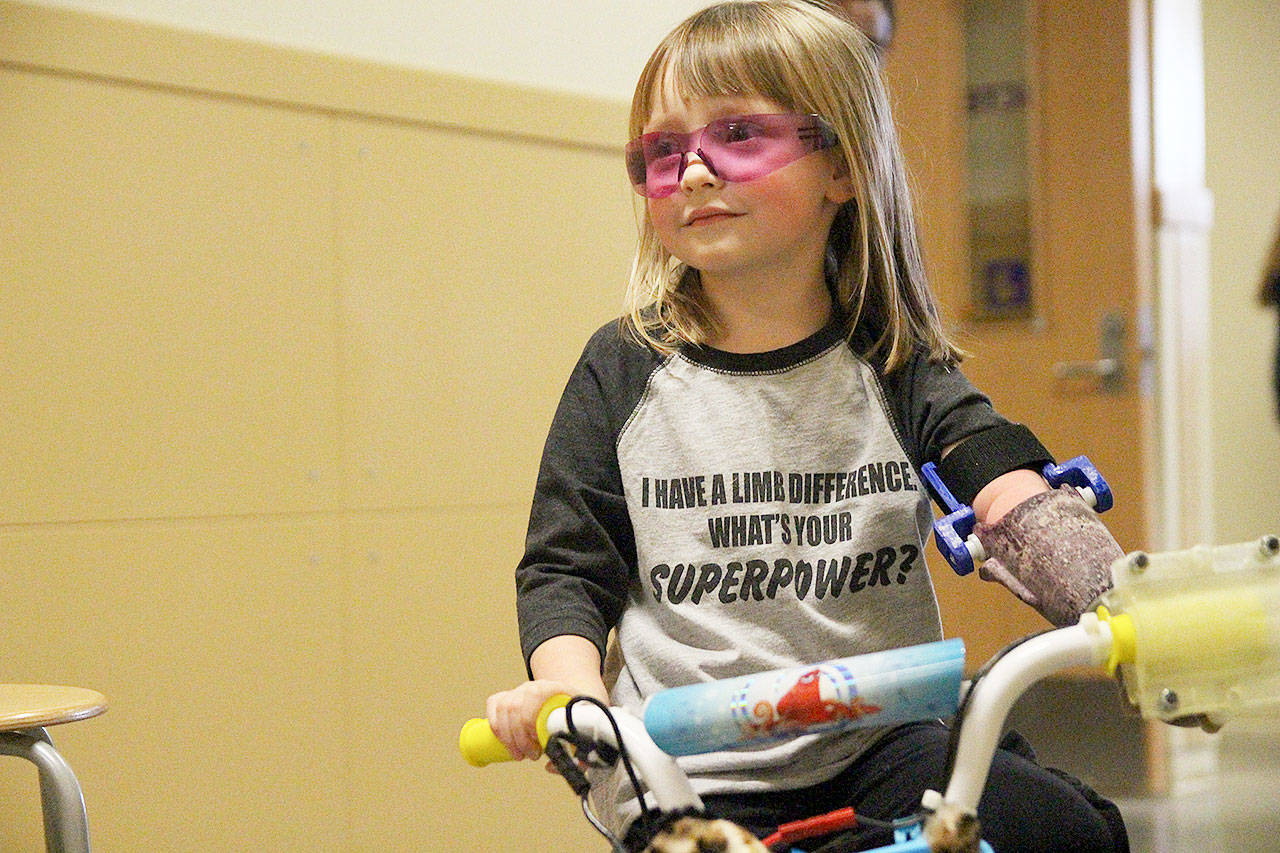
[66,825]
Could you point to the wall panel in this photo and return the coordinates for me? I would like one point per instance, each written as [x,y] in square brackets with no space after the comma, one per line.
[474,268]
[168,307]
[432,630]
[220,647]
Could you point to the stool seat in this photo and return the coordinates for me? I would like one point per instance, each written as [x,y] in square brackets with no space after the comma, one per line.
[29,706]
[25,710]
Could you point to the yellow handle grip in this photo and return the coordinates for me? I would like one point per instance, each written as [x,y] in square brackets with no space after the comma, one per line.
[480,746]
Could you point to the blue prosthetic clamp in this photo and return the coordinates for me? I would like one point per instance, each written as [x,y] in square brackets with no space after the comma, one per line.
[954,532]
[1079,472]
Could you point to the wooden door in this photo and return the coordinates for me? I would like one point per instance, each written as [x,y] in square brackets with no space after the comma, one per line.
[1084,261]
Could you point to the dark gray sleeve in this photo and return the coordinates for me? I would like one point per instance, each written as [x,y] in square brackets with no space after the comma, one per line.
[935,406]
[580,550]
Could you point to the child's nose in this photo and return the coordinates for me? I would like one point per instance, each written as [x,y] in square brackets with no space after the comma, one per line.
[697,173]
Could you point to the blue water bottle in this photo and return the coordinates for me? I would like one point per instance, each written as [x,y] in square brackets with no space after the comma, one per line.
[878,689]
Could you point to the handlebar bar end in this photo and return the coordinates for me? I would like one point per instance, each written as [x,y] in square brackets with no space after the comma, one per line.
[479,745]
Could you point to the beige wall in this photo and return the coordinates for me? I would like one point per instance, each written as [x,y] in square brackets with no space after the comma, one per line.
[281,338]
[1242,102]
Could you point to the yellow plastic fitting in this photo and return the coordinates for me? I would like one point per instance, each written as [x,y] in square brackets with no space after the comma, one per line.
[479,745]
[1124,639]
[553,704]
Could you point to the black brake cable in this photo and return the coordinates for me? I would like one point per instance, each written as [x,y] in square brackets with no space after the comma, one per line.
[622,755]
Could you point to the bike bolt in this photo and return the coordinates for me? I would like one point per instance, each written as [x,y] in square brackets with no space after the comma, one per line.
[1168,700]
[1269,545]
[1138,562]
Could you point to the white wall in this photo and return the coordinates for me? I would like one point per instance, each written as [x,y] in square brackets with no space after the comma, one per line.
[595,47]
[1242,116]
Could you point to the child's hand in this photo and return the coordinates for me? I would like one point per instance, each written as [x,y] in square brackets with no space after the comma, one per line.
[513,715]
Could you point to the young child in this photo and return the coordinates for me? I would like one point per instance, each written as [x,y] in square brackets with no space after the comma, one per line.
[731,478]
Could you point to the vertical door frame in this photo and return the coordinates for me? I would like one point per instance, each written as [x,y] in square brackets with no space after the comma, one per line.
[1169,154]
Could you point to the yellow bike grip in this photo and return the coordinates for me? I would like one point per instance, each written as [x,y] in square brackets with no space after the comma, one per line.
[480,746]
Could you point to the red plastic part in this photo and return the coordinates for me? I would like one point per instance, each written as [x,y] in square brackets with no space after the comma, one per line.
[822,824]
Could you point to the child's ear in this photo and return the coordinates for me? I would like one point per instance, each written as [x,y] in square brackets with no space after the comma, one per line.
[840,188]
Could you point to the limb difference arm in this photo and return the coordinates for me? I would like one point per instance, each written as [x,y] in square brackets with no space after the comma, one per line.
[1047,546]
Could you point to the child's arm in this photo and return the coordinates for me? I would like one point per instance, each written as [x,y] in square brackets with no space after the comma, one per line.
[572,582]
[566,664]
[1005,492]
[1047,546]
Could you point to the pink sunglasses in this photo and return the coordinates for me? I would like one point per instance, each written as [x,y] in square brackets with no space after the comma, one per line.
[735,148]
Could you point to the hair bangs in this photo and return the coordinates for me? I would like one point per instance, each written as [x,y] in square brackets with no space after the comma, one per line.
[732,50]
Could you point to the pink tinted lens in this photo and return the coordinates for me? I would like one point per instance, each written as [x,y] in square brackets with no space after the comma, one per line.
[737,149]
[655,161]
[751,147]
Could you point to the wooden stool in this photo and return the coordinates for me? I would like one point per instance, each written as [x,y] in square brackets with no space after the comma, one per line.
[25,709]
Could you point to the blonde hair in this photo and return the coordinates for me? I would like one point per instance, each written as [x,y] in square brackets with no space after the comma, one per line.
[807,60]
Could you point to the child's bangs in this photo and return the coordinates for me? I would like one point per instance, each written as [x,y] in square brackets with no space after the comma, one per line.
[711,67]
[743,53]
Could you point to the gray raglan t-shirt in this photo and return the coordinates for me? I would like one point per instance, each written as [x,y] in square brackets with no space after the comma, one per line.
[733,514]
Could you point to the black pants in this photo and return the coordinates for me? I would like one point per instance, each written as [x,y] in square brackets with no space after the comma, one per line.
[1024,807]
